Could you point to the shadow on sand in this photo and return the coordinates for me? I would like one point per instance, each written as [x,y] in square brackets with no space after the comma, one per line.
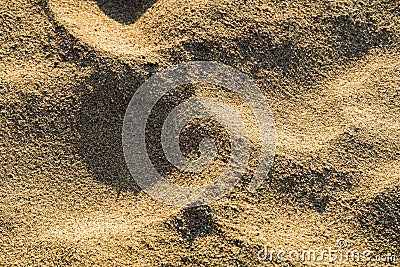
[125,11]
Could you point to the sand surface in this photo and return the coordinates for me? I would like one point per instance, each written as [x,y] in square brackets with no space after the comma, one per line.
[68,68]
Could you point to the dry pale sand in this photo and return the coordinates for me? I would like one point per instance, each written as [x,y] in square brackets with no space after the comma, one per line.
[68,68]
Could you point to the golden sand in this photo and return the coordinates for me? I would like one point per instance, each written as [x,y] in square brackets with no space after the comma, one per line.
[330,71]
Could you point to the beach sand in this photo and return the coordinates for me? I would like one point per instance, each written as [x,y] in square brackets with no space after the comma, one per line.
[330,71]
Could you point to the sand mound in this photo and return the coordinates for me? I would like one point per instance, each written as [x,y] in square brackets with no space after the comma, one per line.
[330,72]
